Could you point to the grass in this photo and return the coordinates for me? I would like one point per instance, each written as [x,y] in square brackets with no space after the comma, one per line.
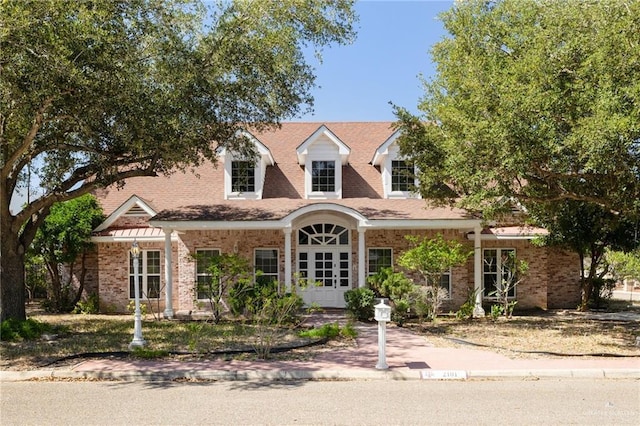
[70,334]
[564,332]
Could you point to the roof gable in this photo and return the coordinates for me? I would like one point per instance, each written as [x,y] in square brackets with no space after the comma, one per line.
[383,149]
[322,133]
[134,206]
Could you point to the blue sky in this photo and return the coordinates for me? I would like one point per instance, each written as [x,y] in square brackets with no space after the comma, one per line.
[357,82]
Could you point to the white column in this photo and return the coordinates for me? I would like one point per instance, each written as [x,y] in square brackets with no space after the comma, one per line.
[478,312]
[362,276]
[168,274]
[287,258]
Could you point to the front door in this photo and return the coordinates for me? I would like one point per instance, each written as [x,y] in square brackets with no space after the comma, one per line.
[324,263]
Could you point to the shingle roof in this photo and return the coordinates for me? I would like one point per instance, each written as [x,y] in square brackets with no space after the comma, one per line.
[200,195]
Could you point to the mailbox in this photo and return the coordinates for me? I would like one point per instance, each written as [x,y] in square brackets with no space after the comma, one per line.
[382,312]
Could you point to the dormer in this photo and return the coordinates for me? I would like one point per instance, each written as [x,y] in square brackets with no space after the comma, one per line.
[399,178]
[244,177]
[322,156]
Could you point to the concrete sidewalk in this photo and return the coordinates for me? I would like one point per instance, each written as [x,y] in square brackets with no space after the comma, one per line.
[408,355]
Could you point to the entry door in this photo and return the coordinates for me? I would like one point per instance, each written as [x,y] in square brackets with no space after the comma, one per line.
[328,276]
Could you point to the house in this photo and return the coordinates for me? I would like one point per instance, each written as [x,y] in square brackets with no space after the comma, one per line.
[327,201]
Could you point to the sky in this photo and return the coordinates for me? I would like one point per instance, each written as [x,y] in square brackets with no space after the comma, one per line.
[357,82]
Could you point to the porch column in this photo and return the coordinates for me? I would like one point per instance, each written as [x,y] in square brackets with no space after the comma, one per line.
[362,276]
[478,312]
[287,258]
[168,274]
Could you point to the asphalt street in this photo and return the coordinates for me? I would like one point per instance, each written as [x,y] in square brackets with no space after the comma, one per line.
[377,402]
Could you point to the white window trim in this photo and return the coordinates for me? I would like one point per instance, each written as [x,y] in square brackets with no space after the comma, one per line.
[387,172]
[369,273]
[228,179]
[196,268]
[448,273]
[498,271]
[255,268]
[308,176]
[144,275]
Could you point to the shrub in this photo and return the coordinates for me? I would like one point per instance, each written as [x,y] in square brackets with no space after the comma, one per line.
[393,285]
[467,308]
[360,303]
[89,306]
[12,329]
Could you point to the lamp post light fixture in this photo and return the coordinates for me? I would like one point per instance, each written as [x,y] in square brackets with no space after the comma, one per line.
[383,316]
[137,341]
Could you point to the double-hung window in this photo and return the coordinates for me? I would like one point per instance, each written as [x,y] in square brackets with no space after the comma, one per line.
[445,282]
[498,270]
[379,258]
[243,176]
[266,261]
[401,176]
[204,285]
[323,176]
[148,275]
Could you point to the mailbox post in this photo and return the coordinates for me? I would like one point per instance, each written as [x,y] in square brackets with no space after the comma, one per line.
[383,316]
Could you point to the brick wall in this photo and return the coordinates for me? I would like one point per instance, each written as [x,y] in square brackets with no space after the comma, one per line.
[552,280]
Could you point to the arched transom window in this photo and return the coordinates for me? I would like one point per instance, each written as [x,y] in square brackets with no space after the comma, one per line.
[323,234]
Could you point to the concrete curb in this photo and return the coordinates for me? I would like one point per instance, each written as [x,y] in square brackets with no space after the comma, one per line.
[336,374]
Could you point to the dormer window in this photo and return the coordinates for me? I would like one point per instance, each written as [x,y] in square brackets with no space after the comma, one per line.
[243,176]
[402,176]
[398,176]
[322,155]
[323,176]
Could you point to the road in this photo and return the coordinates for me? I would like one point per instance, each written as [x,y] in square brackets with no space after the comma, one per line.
[548,401]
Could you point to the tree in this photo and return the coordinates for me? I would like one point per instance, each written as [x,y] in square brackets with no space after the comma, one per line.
[62,240]
[432,259]
[93,93]
[589,230]
[534,102]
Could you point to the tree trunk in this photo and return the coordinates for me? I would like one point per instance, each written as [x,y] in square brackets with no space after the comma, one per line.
[12,289]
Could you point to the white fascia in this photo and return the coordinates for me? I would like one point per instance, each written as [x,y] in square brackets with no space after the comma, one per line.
[124,207]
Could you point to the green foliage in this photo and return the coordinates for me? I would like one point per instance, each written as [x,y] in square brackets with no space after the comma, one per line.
[83,111]
[602,292]
[390,284]
[326,331]
[89,306]
[229,272]
[496,311]
[467,308]
[589,230]
[401,311]
[431,258]
[624,264]
[148,353]
[359,303]
[275,314]
[64,238]
[330,331]
[534,102]
[14,330]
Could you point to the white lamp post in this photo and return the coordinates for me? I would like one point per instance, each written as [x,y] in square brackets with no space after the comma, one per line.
[383,316]
[137,341]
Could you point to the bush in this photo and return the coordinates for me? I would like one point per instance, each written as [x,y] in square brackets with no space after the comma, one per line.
[89,306]
[393,285]
[30,329]
[601,292]
[360,303]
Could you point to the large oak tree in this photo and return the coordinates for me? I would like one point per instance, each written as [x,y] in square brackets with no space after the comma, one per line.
[532,102]
[92,93]
[536,103]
